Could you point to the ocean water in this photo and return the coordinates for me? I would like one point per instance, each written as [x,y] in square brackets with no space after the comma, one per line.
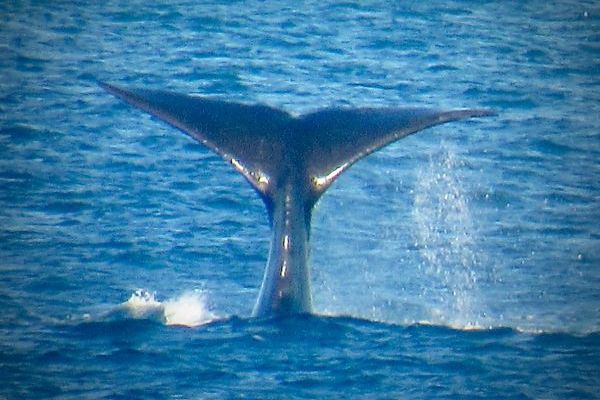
[461,262]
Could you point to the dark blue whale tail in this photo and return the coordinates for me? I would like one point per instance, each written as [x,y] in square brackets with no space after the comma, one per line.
[290,161]
[255,139]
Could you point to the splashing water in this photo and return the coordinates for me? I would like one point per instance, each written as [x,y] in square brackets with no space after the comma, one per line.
[189,309]
[445,236]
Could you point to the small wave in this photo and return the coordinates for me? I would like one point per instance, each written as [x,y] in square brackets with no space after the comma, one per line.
[472,327]
[460,326]
[189,309]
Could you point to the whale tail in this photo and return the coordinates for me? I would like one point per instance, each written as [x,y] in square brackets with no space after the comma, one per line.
[290,161]
[254,139]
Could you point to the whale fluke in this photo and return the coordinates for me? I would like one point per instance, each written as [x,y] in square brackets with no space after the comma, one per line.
[341,137]
[290,161]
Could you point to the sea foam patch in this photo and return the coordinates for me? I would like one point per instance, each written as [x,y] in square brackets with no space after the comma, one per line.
[189,309]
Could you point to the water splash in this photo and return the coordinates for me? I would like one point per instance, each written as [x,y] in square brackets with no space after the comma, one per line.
[189,309]
[445,237]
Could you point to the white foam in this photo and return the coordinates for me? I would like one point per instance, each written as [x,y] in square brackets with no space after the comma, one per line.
[142,304]
[446,235]
[189,309]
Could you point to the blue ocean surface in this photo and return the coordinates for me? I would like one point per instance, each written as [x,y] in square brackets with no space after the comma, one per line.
[461,262]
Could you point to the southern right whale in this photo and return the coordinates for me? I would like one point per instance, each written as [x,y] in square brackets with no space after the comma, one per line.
[290,161]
